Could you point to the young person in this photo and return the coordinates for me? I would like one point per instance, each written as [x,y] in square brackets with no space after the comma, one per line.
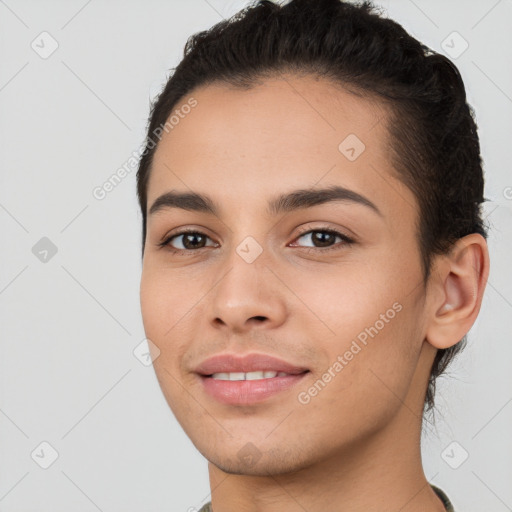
[313,253]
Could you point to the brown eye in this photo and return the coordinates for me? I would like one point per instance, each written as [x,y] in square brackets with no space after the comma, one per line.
[193,241]
[186,241]
[320,238]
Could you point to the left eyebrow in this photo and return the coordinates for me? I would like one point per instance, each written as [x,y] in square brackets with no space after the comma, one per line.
[284,203]
[307,198]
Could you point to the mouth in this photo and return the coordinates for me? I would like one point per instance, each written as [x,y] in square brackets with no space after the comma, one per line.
[239,388]
[251,379]
[257,375]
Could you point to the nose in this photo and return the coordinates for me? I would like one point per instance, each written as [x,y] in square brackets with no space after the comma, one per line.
[248,296]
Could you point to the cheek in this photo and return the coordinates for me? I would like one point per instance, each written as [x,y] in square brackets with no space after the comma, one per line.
[166,298]
[351,293]
[174,311]
[349,298]
[153,304]
[164,309]
[375,332]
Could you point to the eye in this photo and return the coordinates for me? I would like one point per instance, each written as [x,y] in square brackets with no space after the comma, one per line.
[322,239]
[188,240]
[325,238]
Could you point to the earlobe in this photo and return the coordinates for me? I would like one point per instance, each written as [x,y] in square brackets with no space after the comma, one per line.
[457,291]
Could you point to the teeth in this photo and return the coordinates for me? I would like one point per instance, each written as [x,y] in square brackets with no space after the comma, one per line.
[221,376]
[236,376]
[248,376]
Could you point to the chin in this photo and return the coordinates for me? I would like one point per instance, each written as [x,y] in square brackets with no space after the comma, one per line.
[250,461]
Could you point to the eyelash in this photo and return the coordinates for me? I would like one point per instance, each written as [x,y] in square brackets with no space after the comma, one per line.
[345,239]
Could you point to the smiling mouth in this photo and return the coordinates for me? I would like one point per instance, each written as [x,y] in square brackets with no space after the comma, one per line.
[255,375]
[249,388]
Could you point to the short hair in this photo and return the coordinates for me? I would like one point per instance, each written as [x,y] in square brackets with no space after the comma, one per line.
[434,145]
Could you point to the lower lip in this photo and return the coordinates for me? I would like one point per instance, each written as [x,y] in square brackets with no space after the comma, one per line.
[246,392]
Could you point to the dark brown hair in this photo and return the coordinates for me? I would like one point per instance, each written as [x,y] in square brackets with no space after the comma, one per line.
[433,135]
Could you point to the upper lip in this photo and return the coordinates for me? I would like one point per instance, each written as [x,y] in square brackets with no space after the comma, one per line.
[227,363]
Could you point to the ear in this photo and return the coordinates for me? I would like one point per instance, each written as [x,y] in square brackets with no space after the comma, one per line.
[456,290]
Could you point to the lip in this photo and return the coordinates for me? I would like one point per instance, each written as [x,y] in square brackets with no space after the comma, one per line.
[226,363]
[247,392]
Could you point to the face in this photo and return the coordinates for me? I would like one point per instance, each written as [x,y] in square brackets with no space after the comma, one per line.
[303,260]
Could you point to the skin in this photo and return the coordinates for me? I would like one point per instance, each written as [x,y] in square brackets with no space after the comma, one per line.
[356,443]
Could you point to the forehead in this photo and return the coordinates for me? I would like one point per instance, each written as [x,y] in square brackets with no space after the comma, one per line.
[286,133]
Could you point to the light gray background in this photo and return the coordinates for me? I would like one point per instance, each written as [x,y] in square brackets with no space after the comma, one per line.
[69,325]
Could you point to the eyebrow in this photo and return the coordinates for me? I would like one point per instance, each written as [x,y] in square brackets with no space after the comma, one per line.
[284,203]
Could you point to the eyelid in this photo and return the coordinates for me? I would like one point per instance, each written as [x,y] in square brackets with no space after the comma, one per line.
[308,229]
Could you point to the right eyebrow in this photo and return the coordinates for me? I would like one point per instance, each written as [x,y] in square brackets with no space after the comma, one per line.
[191,201]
